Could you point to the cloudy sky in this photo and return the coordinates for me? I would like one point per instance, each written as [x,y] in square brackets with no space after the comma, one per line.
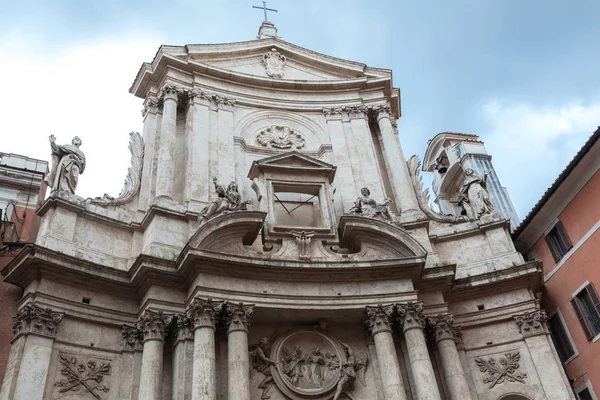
[521,74]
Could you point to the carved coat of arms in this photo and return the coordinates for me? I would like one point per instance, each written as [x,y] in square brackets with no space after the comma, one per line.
[274,63]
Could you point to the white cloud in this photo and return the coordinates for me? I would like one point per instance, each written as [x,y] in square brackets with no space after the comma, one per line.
[531,145]
[79,91]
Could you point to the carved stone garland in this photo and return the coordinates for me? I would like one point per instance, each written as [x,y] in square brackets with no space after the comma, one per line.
[280,137]
[34,319]
[134,174]
[82,376]
[505,369]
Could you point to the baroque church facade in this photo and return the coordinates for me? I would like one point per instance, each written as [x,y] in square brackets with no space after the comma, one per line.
[272,242]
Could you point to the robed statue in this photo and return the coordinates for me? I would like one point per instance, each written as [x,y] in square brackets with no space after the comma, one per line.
[228,200]
[68,162]
[368,207]
[474,195]
[259,355]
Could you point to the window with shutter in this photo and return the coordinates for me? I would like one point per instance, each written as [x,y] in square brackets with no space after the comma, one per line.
[587,307]
[562,342]
[558,241]
[585,394]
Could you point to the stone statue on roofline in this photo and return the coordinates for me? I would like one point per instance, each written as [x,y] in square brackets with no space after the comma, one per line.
[368,207]
[474,195]
[228,200]
[68,162]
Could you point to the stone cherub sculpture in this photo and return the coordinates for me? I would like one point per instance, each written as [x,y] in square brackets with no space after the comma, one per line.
[367,207]
[228,200]
[352,369]
[68,162]
[259,354]
[474,195]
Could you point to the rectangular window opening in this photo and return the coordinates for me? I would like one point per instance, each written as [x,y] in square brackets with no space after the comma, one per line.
[297,206]
[558,241]
[560,337]
[585,394]
[587,307]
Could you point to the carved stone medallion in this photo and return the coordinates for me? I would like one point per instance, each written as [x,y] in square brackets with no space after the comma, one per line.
[308,365]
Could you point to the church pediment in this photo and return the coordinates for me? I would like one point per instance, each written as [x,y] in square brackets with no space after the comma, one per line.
[292,160]
[269,60]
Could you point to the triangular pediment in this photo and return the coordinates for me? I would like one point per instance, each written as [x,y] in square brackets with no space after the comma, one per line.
[245,60]
[291,160]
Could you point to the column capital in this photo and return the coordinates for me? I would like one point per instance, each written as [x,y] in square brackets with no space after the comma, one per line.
[198,96]
[358,111]
[378,318]
[202,313]
[382,111]
[443,327]
[394,125]
[410,315]
[182,328]
[132,338]
[532,323]
[223,102]
[238,315]
[150,106]
[153,325]
[170,92]
[333,113]
[37,320]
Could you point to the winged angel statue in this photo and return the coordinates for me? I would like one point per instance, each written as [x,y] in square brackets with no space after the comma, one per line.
[352,369]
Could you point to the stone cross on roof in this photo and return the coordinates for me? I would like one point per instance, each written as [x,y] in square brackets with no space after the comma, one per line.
[265,9]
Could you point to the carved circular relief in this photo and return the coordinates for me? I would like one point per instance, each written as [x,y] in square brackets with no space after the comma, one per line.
[308,365]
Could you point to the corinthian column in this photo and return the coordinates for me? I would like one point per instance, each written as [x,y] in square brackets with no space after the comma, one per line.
[29,360]
[444,330]
[379,324]
[404,193]
[153,328]
[412,322]
[238,360]
[201,314]
[166,149]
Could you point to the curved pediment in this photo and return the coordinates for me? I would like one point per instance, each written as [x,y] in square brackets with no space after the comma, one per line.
[228,233]
[370,237]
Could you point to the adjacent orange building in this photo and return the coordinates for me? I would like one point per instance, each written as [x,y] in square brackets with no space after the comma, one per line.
[22,190]
[563,232]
